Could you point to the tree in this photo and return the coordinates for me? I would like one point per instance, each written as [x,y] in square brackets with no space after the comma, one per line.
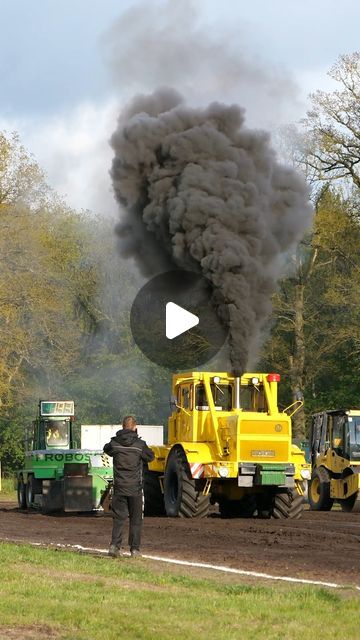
[65,298]
[21,179]
[316,310]
[315,338]
[333,125]
[287,346]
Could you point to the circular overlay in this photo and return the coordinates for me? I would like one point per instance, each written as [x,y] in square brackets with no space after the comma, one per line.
[152,318]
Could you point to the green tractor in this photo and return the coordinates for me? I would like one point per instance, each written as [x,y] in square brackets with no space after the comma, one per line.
[57,476]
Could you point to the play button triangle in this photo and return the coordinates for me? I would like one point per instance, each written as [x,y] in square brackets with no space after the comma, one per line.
[178,320]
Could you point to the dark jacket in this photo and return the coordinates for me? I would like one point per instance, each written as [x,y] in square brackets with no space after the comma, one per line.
[129,452]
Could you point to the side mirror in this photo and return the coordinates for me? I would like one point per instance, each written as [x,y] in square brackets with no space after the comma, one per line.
[173,403]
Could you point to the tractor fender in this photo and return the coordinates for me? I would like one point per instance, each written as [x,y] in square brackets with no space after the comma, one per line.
[196,453]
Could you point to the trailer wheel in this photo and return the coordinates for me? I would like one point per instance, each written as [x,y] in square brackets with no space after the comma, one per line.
[153,497]
[21,493]
[287,504]
[351,503]
[181,495]
[319,490]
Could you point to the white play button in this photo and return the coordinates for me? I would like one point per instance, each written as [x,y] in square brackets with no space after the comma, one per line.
[178,320]
[175,323]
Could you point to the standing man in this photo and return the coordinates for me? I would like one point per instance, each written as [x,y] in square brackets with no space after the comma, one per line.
[128,452]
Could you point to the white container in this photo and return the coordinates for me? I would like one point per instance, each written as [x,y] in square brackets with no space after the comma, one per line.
[94,436]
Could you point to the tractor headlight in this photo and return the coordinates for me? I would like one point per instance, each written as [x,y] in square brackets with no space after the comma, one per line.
[217,379]
[223,472]
[305,473]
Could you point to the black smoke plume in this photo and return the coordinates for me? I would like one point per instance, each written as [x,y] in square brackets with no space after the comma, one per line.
[202,192]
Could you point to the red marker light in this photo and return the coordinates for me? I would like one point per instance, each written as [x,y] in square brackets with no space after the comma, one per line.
[273,377]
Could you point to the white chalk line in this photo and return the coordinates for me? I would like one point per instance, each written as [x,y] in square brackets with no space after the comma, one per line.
[200,565]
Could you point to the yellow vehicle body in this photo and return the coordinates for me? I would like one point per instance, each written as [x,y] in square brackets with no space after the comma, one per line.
[335,454]
[230,439]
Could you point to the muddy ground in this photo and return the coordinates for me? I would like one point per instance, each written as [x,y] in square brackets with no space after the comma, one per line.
[320,546]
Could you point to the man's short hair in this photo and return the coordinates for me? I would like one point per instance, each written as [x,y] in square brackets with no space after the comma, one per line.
[129,422]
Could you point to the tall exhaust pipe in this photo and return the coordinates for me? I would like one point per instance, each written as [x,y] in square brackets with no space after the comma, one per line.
[237,390]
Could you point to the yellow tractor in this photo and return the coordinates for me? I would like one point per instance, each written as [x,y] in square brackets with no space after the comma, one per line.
[335,458]
[228,443]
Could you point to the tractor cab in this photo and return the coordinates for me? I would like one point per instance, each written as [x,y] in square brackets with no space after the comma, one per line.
[199,393]
[229,411]
[336,434]
[53,428]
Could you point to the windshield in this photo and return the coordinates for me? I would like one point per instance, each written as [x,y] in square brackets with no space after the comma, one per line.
[222,396]
[252,398]
[354,428]
[57,432]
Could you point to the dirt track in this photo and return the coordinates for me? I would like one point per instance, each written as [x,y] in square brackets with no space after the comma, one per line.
[321,546]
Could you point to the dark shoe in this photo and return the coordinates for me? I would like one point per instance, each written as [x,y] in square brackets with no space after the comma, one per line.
[135,553]
[114,551]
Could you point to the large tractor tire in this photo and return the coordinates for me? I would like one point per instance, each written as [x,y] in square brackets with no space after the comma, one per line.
[243,508]
[106,497]
[287,504]
[352,503]
[319,490]
[33,486]
[182,497]
[30,491]
[153,496]
[21,493]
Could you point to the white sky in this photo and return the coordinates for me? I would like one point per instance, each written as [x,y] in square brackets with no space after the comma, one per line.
[67,67]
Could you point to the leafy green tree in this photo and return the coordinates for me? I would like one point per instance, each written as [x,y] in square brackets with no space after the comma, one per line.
[333,125]
[315,338]
[21,179]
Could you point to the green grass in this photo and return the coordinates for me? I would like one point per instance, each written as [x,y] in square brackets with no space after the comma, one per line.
[7,489]
[69,596]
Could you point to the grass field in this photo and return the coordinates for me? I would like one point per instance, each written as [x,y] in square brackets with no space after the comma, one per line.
[70,596]
[7,491]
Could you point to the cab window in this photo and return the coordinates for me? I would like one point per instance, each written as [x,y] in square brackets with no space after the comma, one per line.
[200,398]
[357,431]
[252,398]
[222,396]
[57,433]
[354,423]
[186,397]
[338,434]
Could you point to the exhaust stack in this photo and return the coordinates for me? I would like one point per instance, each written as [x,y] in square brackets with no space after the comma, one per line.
[237,404]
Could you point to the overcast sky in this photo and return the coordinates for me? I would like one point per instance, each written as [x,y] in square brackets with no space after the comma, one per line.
[68,67]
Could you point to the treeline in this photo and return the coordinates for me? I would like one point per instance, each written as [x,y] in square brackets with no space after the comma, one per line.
[65,295]
[315,339]
[64,305]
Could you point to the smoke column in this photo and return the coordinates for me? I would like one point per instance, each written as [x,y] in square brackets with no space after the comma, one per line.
[201,192]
